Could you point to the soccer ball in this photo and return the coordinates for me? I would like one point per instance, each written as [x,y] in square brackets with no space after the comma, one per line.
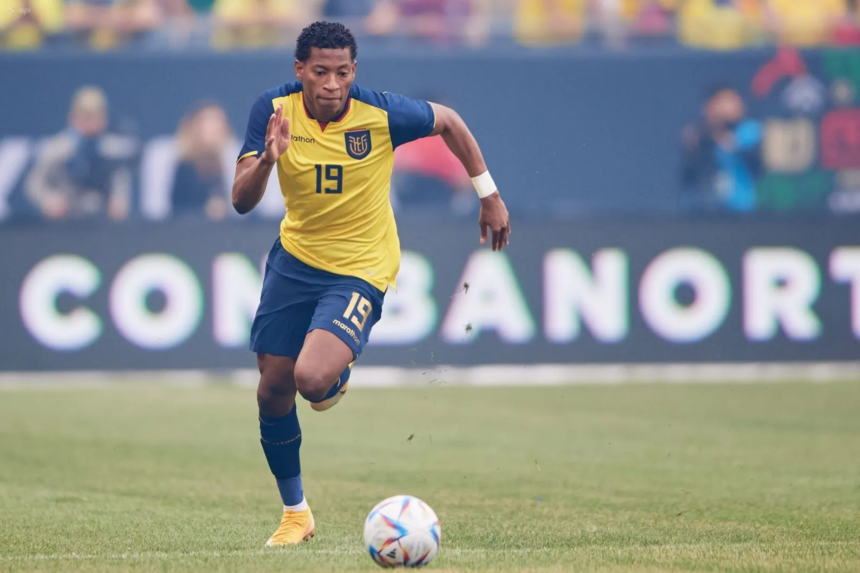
[402,531]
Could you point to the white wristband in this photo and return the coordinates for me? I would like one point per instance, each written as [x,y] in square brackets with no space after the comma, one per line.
[484,184]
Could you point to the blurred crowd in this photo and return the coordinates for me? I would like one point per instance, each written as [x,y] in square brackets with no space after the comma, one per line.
[255,24]
[89,171]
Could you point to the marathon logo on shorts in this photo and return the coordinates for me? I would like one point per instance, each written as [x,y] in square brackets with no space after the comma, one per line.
[347,330]
[358,143]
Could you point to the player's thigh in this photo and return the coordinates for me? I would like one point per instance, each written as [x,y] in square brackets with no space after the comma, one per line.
[283,316]
[276,393]
[339,330]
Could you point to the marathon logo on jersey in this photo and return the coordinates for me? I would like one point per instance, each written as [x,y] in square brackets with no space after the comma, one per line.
[358,143]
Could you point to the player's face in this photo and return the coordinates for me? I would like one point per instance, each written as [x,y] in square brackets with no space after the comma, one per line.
[327,76]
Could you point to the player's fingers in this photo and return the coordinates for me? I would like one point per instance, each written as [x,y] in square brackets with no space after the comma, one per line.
[276,122]
[285,128]
[483,226]
[270,126]
[503,237]
[497,239]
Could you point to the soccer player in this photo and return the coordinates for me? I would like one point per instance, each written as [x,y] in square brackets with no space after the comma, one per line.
[338,251]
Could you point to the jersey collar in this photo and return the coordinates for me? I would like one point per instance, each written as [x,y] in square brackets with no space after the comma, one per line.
[337,119]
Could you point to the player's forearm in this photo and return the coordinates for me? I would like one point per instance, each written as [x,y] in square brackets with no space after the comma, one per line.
[459,140]
[252,176]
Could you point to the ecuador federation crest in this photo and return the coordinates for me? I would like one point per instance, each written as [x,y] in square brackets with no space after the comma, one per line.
[358,143]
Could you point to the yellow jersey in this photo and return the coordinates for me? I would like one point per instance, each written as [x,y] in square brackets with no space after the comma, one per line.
[807,22]
[336,178]
[536,25]
[717,26]
[45,17]
[254,35]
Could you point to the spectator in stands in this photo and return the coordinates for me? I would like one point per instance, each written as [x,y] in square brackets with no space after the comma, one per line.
[26,24]
[200,6]
[549,22]
[258,23]
[847,31]
[352,13]
[181,23]
[805,22]
[652,18]
[439,21]
[109,24]
[617,21]
[720,24]
[84,171]
[721,158]
[199,183]
[609,19]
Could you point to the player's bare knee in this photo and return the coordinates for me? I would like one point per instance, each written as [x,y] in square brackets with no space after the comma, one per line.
[275,401]
[313,384]
[276,393]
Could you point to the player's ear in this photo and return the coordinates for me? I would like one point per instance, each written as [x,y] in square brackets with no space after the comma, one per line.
[300,66]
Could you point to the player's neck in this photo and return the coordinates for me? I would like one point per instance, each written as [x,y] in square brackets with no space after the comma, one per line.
[324,118]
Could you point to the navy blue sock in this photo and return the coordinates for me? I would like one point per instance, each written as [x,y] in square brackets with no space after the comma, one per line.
[339,384]
[281,439]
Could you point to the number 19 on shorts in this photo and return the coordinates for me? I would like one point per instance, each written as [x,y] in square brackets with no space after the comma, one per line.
[358,310]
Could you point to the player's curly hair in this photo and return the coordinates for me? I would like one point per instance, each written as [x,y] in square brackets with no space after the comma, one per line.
[325,35]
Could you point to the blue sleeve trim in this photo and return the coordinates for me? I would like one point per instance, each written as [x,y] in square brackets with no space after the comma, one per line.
[408,119]
[258,119]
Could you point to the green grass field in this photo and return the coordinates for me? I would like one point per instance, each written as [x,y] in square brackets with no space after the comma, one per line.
[621,478]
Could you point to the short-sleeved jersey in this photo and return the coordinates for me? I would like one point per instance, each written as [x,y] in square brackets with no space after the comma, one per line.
[336,181]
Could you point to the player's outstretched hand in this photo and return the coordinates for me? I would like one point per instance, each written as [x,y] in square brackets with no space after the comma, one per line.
[277,136]
[494,216]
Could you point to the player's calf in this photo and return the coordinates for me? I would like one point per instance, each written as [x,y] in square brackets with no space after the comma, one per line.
[281,438]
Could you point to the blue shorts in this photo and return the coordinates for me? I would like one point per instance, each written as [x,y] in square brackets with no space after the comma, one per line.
[298,298]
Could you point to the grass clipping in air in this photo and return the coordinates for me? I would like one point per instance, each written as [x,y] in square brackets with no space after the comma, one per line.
[622,478]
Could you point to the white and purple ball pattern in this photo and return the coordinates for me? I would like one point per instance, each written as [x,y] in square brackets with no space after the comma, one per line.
[402,531]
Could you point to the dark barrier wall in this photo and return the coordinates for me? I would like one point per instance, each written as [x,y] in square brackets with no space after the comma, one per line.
[182,295]
[564,133]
